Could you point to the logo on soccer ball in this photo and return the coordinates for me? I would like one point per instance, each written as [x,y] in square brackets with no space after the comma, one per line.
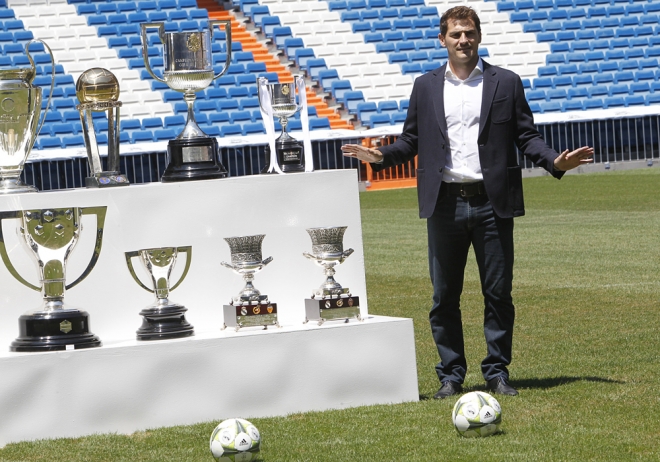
[235,439]
[477,414]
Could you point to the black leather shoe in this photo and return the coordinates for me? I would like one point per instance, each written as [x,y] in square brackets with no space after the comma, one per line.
[448,388]
[501,385]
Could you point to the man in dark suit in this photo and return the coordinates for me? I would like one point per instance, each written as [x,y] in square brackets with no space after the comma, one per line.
[465,121]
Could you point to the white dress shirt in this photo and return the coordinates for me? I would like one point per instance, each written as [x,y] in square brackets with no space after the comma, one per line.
[462,109]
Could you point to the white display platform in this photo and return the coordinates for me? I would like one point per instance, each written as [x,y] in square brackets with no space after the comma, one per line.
[126,385]
[131,386]
[200,214]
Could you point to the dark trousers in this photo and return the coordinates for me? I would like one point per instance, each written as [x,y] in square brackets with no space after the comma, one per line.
[456,224]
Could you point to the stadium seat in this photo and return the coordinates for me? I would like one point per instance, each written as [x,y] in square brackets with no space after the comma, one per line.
[379,120]
[319,123]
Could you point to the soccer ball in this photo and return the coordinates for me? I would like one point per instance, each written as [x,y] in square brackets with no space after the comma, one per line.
[477,414]
[233,438]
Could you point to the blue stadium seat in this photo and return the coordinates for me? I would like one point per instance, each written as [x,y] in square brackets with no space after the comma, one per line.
[411,68]
[150,123]
[556,94]
[640,87]
[598,90]
[165,134]
[535,95]
[603,78]
[583,79]
[319,123]
[314,66]
[613,101]
[379,120]
[578,93]
[253,128]
[340,88]
[337,5]
[351,99]
[365,111]
[550,106]
[635,100]
[238,117]
[619,89]
[405,46]
[72,141]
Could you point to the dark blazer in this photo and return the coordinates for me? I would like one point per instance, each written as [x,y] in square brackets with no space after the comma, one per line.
[506,122]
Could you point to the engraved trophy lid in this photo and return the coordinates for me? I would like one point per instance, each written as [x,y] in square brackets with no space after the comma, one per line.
[327,240]
[245,249]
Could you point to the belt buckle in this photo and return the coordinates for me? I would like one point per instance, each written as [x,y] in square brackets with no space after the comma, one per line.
[463,191]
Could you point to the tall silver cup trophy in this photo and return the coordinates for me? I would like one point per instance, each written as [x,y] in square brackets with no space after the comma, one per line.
[97,90]
[250,307]
[279,99]
[330,301]
[165,318]
[50,236]
[193,155]
[20,108]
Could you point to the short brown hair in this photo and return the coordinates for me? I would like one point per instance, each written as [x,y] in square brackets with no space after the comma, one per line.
[459,12]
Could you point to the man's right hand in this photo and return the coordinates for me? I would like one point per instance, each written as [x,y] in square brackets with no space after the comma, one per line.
[362,153]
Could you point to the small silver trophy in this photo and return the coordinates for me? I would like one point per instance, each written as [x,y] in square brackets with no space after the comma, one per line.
[279,100]
[97,90]
[51,235]
[20,108]
[189,68]
[330,301]
[250,307]
[164,319]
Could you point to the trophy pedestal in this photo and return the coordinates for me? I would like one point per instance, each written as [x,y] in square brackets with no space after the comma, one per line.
[15,186]
[193,159]
[164,322]
[290,155]
[254,314]
[334,308]
[106,179]
[54,330]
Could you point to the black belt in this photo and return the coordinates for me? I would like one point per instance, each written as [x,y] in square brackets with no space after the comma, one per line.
[465,189]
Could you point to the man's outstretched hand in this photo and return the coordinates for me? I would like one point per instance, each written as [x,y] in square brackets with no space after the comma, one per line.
[568,160]
[362,153]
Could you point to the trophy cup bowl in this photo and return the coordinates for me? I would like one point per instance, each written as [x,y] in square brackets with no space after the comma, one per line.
[163,319]
[188,69]
[50,236]
[282,98]
[20,109]
[97,90]
[328,251]
[246,260]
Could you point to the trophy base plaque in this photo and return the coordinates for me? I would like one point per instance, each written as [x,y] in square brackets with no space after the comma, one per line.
[193,159]
[106,179]
[15,186]
[54,330]
[166,322]
[254,314]
[333,308]
[290,156]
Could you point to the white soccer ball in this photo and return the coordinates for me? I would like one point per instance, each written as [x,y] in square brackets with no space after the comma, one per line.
[477,414]
[233,437]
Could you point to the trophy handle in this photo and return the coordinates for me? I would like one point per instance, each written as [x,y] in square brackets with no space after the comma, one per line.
[145,45]
[267,260]
[348,252]
[188,251]
[100,221]
[309,255]
[227,24]
[129,261]
[5,257]
[52,81]
[227,265]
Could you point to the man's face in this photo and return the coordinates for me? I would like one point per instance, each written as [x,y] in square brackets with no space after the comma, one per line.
[462,42]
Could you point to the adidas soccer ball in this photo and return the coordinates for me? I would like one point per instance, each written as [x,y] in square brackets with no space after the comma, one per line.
[477,414]
[233,438]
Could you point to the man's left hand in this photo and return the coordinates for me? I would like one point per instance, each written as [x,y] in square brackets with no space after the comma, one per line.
[568,160]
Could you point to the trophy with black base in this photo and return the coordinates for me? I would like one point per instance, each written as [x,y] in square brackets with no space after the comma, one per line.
[97,90]
[250,308]
[330,301]
[193,155]
[50,236]
[164,319]
[279,100]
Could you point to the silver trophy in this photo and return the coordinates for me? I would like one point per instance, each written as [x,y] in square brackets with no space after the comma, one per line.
[97,90]
[51,235]
[20,108]
[250,307]
[330,300]
[189,68]
[279,99]
[164,319]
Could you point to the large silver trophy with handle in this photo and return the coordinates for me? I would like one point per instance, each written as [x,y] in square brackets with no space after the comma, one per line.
[51,235]
[20,108]
[279,100]
[97,90]
[250,307]
[193,155]
[330,301]
[163,319]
